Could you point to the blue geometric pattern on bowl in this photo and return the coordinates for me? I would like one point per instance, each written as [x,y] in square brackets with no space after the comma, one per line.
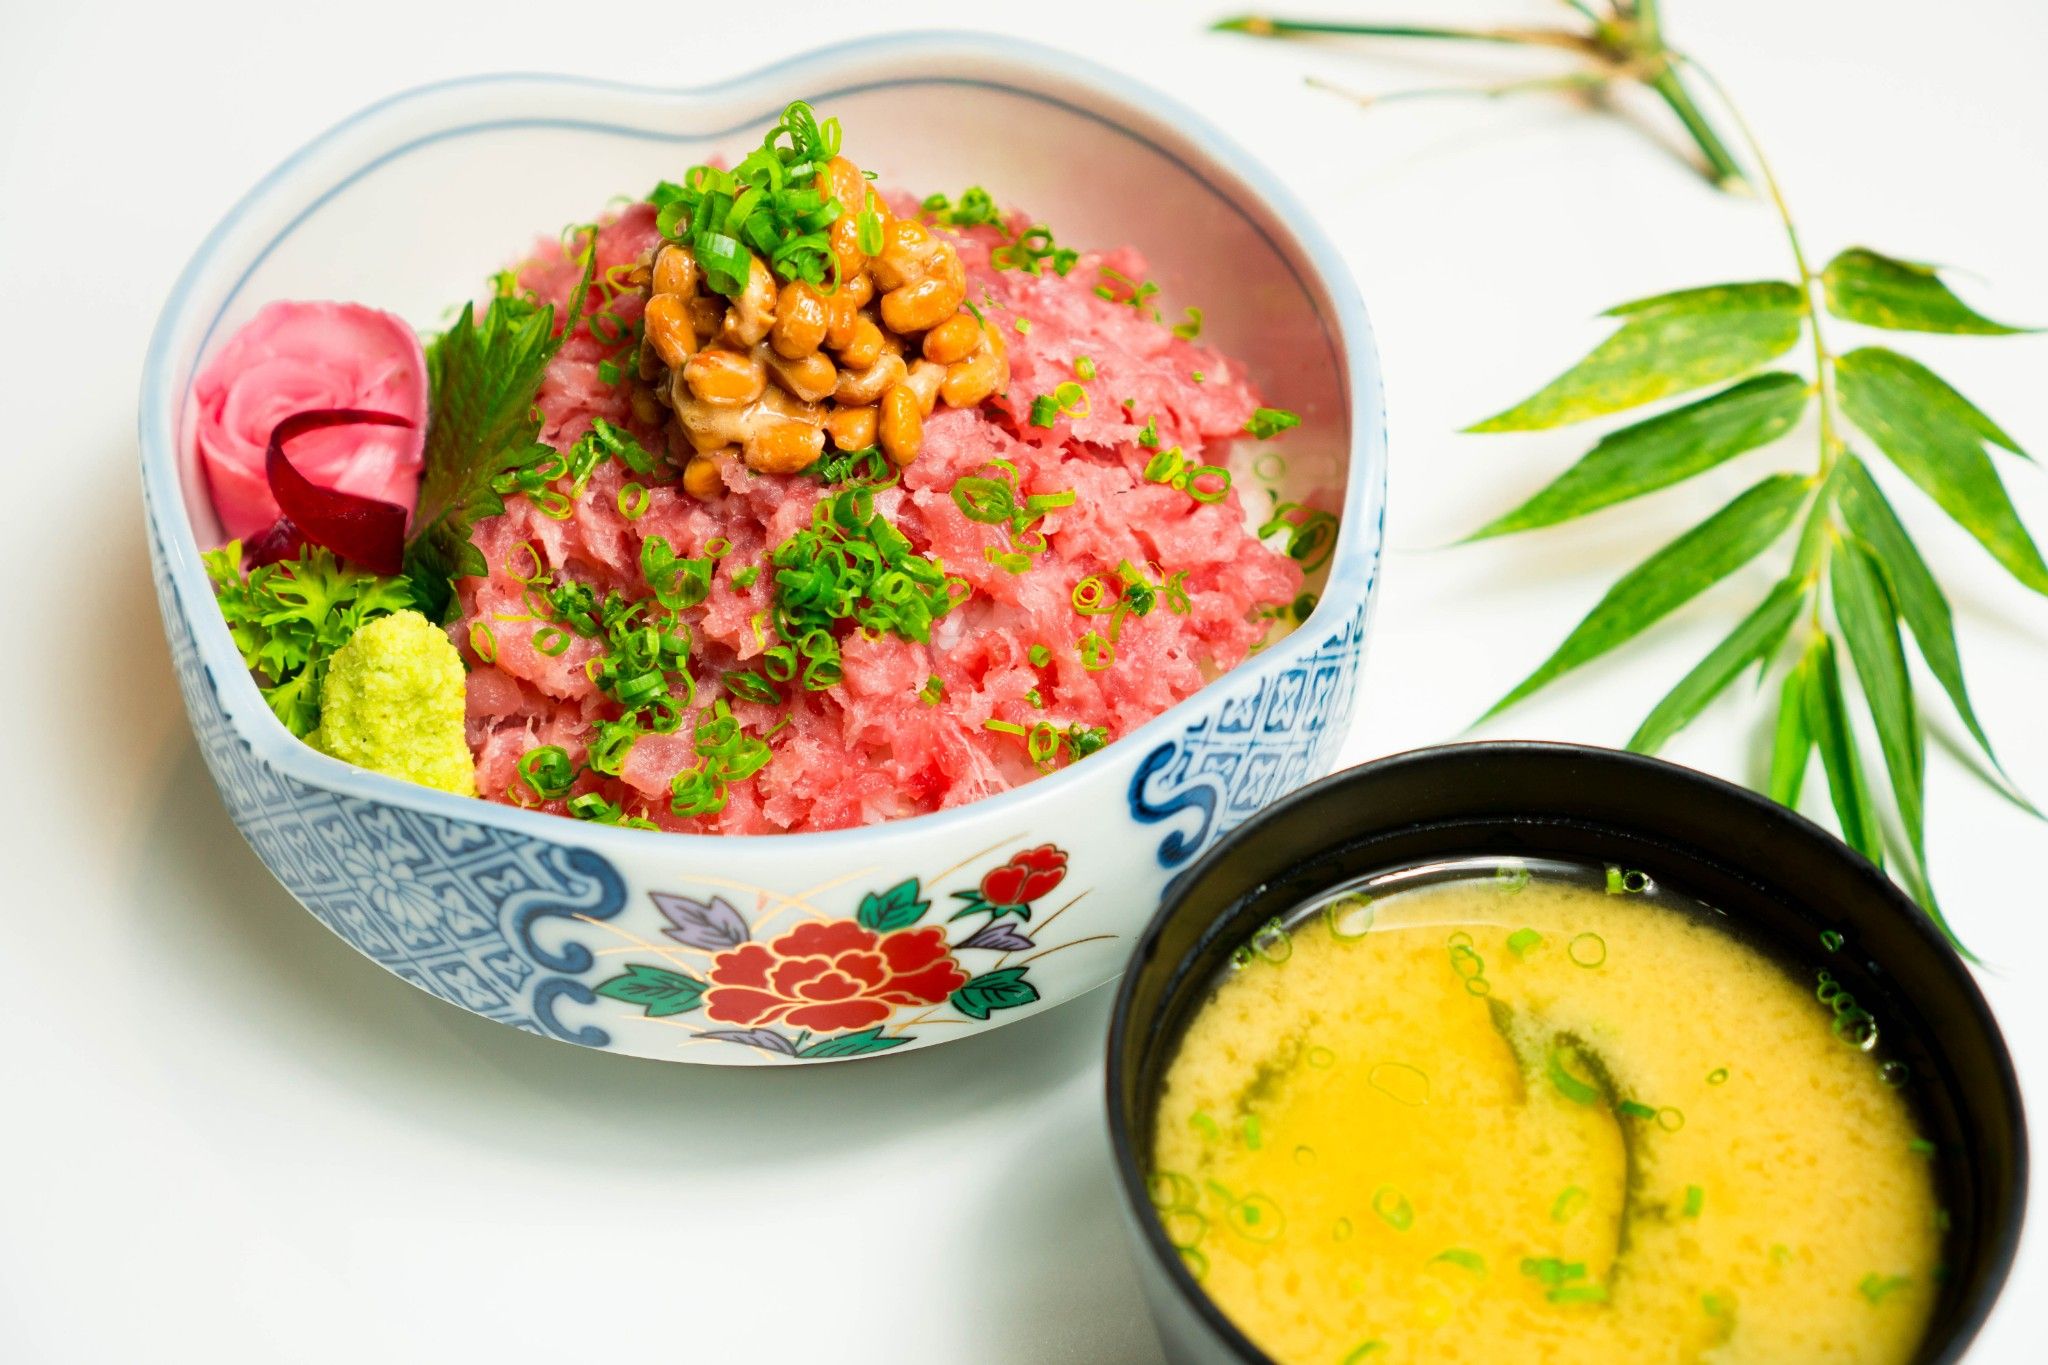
[1256,748]
[459,909]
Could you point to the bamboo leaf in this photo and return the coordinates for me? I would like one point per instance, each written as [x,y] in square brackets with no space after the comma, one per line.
[1668,344]
[1864,609]
[1919,598]
[1936,436]
[1757,637]
[1880,291]
[1673,576]
[1827,718]
[1792,741]
[1664,450]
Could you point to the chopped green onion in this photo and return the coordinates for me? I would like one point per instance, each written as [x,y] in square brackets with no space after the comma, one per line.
[551,641]
[1192,328]
[933,689]
[547,771]
[1718,1076]
[1463,1258]
[1522,941]
[483,641]
[1831,940]
[1393,1208]
[1023,326]
[1084,367]
[1039,655]
[1670,1119]
[1578,1293]
[1097,653]
[1636,1109]
[1148,435]
[1920,1147]
[607,372]
[634,500]
[746,575]
[1587,950]
[1569,1085]
[1695,1200]
[1568,1204]
[1876,1288]
[1266,423]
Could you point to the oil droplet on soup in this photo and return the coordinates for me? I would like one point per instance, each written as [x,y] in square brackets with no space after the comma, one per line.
[1551,1114]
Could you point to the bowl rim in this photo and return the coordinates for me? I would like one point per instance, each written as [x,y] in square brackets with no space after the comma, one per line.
[1751,804]
[1354,564]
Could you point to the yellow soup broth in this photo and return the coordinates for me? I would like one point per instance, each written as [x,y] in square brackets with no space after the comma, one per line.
[1513,1118]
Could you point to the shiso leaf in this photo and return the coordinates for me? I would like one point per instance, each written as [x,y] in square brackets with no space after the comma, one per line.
[484,375]
[1756,637]
[1673,576]
[1936,437]
[1666,345]
[1864,286]
[1664,450]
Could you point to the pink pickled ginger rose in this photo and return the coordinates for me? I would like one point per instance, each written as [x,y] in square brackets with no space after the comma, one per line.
[293,357]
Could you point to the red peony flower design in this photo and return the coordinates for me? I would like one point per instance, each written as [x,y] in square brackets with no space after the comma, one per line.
[832,975]
[1026,877]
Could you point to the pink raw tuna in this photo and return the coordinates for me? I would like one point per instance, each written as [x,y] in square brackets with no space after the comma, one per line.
[870,748]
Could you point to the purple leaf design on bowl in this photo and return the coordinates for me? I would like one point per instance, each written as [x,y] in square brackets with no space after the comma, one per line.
[1000,935]
[767,1039]
[711,925]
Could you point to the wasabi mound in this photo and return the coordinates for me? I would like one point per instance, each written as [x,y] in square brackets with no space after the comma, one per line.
[393,703]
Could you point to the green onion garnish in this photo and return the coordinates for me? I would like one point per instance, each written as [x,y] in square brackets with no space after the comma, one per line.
[1393,1208]
[1578,1293]
[634,500]
[1097,653]
[1252,1133]
[1587,950]
[1567,1204]
[1522,941]
[1876,1288]
[1670,1119]
[483,641]
[1365,1350]
[1635,1109]
[1557,1067]
[547,771]
[1831,940]
[1266,423]
[1192,328]
[1462,1257]
[1695,1200]
[1084,367]
[933,689]
[1920,1147]
[1039,655]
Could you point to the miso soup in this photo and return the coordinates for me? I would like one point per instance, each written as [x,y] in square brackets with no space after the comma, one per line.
[1542,1113]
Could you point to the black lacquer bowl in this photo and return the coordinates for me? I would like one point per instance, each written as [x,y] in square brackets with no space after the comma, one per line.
[1782,881]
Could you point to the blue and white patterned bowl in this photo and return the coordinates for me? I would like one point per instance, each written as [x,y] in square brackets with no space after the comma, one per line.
[797,947]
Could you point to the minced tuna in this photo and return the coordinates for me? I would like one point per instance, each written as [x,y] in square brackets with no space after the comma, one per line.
[1014,680]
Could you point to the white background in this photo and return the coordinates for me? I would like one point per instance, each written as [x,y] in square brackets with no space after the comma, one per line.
[226,1137]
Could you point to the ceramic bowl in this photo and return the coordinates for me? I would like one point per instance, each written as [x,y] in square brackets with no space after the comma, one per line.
[610,938]
[1781,881]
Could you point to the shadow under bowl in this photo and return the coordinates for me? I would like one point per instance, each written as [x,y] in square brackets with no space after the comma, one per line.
[1782,881]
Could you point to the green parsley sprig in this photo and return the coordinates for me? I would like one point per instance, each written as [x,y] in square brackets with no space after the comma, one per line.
[288,618]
